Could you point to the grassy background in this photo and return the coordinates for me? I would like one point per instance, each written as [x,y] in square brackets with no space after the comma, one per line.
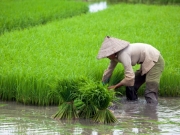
[33,60]
[19,14]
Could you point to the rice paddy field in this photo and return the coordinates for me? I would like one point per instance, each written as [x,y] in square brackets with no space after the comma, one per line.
[19,14]
[36,59]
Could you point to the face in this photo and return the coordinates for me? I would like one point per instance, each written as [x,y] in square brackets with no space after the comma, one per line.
[112,57]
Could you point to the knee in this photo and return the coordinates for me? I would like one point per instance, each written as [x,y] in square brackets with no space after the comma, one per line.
[152,87]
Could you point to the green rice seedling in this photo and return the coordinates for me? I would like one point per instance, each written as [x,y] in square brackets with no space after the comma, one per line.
[78,103]
[96,95]
[85,109]
[88,109]
[102,102]
[29,90]
[105,116]
[68,92]
[66,111]
[53,95]
[8,89]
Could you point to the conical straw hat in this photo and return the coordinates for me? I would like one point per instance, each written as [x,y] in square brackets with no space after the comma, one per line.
[110,46]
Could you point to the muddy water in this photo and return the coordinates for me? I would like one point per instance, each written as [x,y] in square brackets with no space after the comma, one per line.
[133,118]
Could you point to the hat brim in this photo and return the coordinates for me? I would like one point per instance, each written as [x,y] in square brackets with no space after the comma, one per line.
[110,46]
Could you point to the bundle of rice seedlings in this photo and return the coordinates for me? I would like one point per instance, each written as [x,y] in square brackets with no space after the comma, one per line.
[67,90]
[98,97]
[66,111]
[104,115]
[103,99]
[88,110]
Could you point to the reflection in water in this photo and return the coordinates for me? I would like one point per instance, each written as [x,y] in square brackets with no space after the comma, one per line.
[142,118]
[134,118]
[97,6]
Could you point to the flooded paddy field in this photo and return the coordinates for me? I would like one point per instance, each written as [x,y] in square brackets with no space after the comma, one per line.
[133,118]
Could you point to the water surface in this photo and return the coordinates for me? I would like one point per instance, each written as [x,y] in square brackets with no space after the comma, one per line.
[97,6]
[133,118]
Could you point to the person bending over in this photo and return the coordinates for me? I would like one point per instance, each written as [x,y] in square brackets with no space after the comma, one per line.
[151,66]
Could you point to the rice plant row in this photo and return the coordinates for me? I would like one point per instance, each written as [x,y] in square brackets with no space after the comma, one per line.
[19,14]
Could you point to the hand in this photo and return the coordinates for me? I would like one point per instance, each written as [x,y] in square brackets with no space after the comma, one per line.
[105,81]
[112,87]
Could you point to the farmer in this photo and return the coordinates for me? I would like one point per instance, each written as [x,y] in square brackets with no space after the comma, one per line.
[151,67]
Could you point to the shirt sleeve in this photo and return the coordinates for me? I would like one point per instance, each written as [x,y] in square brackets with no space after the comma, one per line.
[108,72]
[129,72]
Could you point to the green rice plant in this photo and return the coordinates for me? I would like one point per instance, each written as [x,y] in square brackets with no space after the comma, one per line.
[87,111]
[53,95]
[78,103]
[28,91]
[8,89]
[105,116]
[66,111]
[96,95]
[19,14]
[102,102]
[67,90]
